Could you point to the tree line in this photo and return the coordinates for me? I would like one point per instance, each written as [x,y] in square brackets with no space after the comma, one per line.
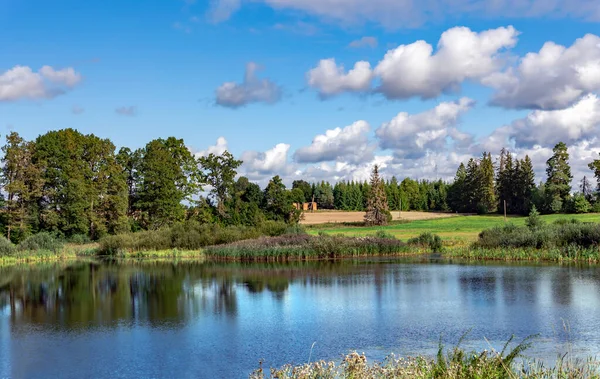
[72,184]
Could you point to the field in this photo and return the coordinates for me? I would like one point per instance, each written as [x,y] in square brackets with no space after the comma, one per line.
[330,217]
[458,228]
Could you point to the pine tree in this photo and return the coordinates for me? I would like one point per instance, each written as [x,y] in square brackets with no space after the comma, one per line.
[586,189]
[377,206]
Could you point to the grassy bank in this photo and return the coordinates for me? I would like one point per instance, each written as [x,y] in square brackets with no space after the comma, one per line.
[454,230]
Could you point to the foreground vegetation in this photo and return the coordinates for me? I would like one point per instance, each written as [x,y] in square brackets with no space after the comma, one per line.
[456,364]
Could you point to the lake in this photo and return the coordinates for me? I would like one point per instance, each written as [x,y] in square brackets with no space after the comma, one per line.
[142,319]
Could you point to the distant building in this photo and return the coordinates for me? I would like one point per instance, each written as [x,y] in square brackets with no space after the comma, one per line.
[311,206]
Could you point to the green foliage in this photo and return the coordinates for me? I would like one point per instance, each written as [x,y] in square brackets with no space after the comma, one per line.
[428,240]
[7,248]
[188,235]
[79,239]
[534,220]
[384,235]
[168,176]
[579,204]
[219,172]
[41,241]
[558,184]
[563,235]
[377,205]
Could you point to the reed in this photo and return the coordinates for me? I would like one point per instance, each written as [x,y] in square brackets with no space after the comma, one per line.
[454,364]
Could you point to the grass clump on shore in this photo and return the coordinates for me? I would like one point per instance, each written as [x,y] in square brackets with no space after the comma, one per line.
[456,364]
[187,236]
[433,242]
[304,247]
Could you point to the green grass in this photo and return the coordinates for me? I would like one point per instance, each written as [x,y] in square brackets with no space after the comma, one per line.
[452,229]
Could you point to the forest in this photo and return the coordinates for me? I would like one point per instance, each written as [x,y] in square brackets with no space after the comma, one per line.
[78,186]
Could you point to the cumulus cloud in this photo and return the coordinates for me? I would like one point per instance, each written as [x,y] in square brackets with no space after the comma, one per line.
[21,82]
[330,79]
[251,90]
[553,78]
[412,135]
[129,111]
[415,70]
[580,122]
[364,42]
[260,165]
[398,14]
[217,149]
[350,144]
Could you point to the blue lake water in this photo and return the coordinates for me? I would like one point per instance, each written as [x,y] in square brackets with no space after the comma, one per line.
[204,320]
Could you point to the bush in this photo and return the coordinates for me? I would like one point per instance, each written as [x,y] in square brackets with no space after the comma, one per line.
[41,241]
[190,235]
[6,247]
[432,241]
[79,239]
[384,235]
[562,234]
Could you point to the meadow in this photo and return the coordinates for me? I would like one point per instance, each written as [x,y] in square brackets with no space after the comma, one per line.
[452,230]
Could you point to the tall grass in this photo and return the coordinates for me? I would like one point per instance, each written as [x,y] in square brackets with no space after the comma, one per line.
[188,236]
[455,364]
[304,247]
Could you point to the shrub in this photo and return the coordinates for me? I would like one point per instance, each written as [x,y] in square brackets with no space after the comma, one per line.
[432,241]
[79,239]
[384,235]
[41,241]
[6,247]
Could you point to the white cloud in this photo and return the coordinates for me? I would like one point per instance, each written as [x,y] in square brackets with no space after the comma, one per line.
[398,14]
[580,122]
[553,78]
[348,144]
[217,149]
[129,111]
[414,70]
[364,42]
[330,79]
[252,90]
[21,82]
[261,165]
[413,135]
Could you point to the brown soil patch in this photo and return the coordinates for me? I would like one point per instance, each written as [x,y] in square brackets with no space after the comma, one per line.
[325,217]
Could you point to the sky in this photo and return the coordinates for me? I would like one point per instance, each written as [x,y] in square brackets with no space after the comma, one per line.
[311,89]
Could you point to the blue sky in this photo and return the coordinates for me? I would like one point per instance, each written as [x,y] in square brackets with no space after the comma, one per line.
[142,70]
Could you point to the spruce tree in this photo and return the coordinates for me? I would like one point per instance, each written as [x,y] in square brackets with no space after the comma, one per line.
[377,205]
[487,192]
[558,184]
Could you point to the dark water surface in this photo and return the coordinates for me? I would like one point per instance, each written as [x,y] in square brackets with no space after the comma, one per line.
[192,320]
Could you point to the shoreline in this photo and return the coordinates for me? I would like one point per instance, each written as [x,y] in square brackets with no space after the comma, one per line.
[283,254]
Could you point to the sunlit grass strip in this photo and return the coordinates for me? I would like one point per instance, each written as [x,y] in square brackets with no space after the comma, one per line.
[556,255]
[168,253]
